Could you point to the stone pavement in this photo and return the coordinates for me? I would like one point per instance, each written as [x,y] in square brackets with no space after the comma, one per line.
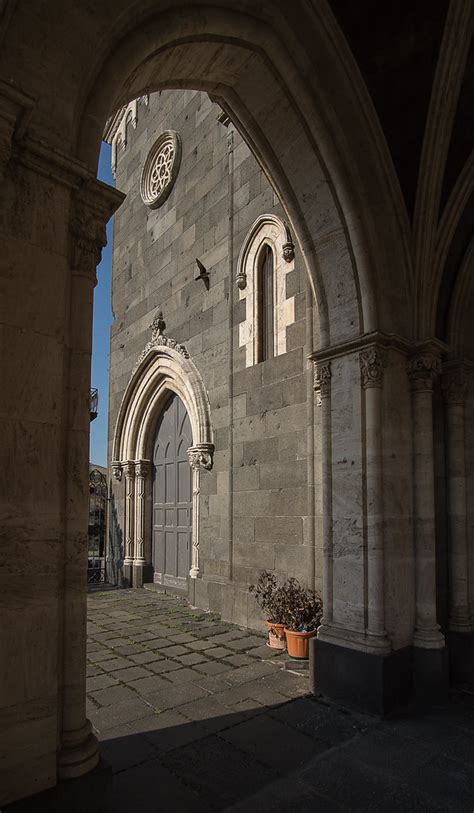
[196,715]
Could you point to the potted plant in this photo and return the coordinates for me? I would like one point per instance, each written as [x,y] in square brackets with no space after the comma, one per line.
[269,596]
[303,609]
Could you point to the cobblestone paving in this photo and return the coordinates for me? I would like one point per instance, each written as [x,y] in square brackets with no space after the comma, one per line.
[196,715]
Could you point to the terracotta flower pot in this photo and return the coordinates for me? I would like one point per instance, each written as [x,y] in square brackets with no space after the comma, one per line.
[276,636]
[297,643]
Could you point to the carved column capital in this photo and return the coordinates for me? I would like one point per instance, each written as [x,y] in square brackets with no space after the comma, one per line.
[117,470]
[322,380]
[201,456]
[422,369]
[128,469]
[372,362]
[88,238]
[91,207]
[142,468]
[455,384]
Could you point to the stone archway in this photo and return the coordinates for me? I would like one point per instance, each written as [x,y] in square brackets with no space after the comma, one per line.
[310,123]
[163,367]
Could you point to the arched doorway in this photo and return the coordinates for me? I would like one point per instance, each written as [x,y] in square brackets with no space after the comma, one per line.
[172,497]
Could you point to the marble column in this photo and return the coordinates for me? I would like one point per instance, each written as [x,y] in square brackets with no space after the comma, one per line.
[200,457]
[142,469]
[90,210]
[454,384]
[322,387]
[129,475]
[372,362]
[423,368]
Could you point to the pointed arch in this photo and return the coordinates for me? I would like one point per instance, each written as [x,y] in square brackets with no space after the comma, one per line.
[161,370]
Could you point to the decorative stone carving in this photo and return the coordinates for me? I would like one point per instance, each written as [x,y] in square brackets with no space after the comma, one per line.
[454,384]
[288,251]
[372,362]
[117,470]
[158,339]
[161,169]
[423,368]
[202,456]
[322,380]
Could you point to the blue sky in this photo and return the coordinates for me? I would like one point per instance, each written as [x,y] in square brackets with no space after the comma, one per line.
[101,330]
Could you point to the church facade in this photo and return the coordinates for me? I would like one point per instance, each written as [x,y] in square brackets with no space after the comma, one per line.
[214,425]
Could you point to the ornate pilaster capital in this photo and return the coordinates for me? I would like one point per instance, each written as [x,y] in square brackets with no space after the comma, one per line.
[142,468]
[201,456]
[88,238]
[91,207]
[129,470]
[117,470]
[423,368]
[454,383]
[322,380]
[372,362]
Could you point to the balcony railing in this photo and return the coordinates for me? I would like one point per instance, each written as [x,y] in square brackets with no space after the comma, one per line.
[94,404]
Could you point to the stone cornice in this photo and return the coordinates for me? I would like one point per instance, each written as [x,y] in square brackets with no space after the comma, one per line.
[384,341]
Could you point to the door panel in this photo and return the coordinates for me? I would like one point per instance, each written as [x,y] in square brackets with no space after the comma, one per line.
[172,498]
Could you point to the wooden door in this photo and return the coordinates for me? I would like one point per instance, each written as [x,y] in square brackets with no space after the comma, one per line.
[172,497]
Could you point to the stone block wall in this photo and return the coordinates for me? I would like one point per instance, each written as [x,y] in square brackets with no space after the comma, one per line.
[257,505]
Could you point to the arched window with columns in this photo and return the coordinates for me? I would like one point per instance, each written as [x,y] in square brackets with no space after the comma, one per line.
[266,257]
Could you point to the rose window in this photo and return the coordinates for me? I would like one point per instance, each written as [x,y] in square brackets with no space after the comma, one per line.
[161,168]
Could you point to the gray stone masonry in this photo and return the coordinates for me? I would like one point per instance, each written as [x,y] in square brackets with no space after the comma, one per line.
[265,417]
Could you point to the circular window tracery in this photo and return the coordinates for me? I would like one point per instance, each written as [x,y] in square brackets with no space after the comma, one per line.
[161,168]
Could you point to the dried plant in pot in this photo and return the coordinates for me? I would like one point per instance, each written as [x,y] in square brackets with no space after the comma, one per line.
[302,610]
[269,597]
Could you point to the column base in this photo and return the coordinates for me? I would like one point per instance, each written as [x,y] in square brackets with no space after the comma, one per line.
[372,683]
[461,658]
[92,792]
[126,575]
[137,575]
[430,675]
[79,752]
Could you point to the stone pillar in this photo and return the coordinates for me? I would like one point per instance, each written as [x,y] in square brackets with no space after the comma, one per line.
[429,645]
[371,366]
[129,474]
[200,457]
[322,386]
[142,469]
[460,636]
[90,211]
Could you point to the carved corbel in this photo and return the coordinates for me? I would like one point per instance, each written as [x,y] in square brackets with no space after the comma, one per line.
[201,456]
[117,470]
[288,250]
[372,362]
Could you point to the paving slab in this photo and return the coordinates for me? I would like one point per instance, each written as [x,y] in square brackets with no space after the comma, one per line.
[187,726]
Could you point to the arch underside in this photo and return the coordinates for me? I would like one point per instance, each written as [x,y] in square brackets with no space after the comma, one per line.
[324,155]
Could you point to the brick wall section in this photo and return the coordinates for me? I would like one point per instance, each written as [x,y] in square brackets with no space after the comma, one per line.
[154,267]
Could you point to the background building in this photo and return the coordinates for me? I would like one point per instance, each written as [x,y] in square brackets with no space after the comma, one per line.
[212,438]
